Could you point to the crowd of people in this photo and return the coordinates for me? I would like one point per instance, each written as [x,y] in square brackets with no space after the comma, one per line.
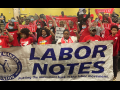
[87,30]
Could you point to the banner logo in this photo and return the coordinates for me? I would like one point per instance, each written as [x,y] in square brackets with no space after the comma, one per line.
[10,66]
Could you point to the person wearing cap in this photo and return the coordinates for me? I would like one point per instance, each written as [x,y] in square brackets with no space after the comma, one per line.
[92,36]
[14,33]
[84,32]
[95,24]
[12,20]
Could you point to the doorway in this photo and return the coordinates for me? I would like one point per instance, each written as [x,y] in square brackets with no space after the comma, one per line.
[16,12]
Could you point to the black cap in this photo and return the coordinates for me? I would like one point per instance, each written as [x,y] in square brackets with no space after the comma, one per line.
[11,23]
[83,10]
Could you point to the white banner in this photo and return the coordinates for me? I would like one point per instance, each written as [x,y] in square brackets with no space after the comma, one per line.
[65,62]
[59,32]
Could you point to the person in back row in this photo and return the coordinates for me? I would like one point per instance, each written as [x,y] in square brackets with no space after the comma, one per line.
[67,38]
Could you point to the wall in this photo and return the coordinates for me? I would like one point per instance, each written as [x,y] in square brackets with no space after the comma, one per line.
[48,11]
[7,12]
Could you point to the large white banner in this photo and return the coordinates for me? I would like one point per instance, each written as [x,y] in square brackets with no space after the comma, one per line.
[66,62]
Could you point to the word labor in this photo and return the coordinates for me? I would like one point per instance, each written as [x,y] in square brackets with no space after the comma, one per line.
[61,57]
[70,50]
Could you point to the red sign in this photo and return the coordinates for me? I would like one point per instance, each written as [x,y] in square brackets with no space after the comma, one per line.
[32,28]
[104,10]
[67,19]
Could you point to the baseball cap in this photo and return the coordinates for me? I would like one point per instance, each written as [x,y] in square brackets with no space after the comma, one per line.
[92,28]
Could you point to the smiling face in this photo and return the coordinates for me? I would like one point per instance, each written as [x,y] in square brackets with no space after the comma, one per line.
[44,32]
[93,32]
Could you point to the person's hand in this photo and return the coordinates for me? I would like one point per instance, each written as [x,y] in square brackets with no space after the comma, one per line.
[59,43]
[17,24]
[5,31]
[36,14]
[112,42]
[100,21]
[17,17]
[88,41]
[46,27]
[30,33]
[64,22]
[75,31]
[76,23]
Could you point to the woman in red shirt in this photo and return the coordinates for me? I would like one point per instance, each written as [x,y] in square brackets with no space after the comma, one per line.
[45,37]
[116,40]
[26,39]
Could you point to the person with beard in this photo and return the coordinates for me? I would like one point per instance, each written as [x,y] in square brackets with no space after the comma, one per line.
[14,33]
[81,19]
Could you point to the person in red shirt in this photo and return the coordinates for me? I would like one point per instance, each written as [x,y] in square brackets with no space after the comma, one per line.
[116,45]
[71,28]
[26,38]
[92,36]
[84,32]
[62,14]
[45,37]
[4,40]
[32,21]
[14,33]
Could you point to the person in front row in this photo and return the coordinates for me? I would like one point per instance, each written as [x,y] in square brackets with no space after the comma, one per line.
[4,40]
[67,38]
[116,43]
[92,36]
[45,37]
[27,37]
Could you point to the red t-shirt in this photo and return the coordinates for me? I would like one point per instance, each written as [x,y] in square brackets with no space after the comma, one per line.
[62,16]
[27,41]
[15,26]
[105,33]
[83,33]
[116,45]
[95,38]
[71,31]
[4,41]
[15,41]
[46,40]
